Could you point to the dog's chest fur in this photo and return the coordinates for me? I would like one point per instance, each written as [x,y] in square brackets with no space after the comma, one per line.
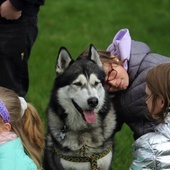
[80,138]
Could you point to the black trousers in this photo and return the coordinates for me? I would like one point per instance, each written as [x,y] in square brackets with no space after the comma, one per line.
[16,40]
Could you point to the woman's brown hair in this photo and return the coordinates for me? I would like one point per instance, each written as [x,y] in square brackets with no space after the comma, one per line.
[105,57]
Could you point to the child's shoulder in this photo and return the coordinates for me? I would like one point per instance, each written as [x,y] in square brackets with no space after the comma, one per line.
[13,152]
[152,138]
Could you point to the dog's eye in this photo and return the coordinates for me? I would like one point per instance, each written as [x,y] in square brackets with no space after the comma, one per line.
[78,84]
[96,83]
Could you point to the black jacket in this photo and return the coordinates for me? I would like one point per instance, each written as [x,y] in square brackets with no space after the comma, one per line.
[28,7]
[130,104]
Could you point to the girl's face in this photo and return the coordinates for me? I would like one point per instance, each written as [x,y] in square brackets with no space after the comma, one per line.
[117,78]
[149,100]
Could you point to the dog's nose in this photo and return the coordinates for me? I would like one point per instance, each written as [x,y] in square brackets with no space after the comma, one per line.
[92,102]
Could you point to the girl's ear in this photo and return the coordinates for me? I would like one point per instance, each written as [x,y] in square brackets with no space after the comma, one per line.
[6,127]
[162,103]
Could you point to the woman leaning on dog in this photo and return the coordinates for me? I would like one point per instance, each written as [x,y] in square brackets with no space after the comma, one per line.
[127,63]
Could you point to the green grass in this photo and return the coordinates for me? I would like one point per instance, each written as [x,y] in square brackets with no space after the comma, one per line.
[77,23]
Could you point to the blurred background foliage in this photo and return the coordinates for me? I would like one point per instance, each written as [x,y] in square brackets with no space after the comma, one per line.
[77,23]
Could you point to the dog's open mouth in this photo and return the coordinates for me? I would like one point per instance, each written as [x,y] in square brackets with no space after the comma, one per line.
[88,115]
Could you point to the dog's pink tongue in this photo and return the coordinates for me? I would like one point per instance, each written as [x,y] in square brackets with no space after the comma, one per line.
[90,116]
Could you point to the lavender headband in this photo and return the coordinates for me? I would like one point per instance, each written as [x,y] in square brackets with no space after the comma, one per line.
[4,114]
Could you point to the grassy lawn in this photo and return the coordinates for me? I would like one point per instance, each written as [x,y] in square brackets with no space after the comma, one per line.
[77,23]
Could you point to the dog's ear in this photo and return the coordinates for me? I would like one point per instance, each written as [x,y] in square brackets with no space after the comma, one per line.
[93,54]
[64,59]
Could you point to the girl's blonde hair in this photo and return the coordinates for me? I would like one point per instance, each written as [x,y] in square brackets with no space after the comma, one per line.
[28,127]
[158,81]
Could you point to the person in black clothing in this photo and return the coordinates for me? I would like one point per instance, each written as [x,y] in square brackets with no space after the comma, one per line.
[18,32]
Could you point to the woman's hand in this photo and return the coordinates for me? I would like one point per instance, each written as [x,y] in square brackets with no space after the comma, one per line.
[9,12]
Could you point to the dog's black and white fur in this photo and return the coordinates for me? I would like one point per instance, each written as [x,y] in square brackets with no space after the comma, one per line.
[81,118]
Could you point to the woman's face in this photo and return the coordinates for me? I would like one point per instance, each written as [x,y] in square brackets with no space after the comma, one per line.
[117,78]
[149,100]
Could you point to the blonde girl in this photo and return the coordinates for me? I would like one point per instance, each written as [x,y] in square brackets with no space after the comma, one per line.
[21,133]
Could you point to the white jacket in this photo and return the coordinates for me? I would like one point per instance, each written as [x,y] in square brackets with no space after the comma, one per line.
[152,150]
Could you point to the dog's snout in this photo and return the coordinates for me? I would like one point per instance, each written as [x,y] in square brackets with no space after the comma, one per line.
[92,102]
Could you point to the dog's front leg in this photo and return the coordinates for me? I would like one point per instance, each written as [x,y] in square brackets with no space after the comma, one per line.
[51,161]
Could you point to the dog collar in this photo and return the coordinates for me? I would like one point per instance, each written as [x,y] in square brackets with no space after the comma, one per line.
[92,159]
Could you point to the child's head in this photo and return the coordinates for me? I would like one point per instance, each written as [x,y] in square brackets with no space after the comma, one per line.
[117,78]
[10,108]
[24,121]
[158,91]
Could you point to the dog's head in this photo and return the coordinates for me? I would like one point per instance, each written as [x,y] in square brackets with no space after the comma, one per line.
[79,85]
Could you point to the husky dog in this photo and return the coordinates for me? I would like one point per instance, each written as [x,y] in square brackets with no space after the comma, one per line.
[81,118]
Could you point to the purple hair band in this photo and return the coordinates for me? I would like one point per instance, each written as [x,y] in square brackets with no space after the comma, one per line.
[4,114]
